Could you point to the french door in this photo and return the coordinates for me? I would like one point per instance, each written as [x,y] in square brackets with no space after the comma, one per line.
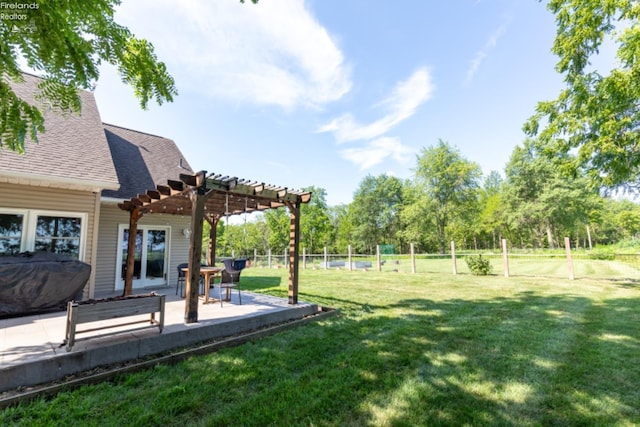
[150,256]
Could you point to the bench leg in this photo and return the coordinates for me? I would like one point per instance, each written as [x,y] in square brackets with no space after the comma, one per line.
[161,325]
[70,335]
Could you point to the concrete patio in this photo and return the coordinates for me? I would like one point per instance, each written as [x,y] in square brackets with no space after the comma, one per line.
[32,350]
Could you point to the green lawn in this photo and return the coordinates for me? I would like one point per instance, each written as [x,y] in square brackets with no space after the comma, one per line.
[423,349]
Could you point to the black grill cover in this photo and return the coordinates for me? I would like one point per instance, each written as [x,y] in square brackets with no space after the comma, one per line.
[32,282]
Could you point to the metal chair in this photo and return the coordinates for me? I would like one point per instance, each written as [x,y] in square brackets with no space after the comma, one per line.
[181,279]
[230,278]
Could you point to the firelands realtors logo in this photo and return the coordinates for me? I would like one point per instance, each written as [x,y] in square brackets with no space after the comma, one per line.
[14,11]
[17,15]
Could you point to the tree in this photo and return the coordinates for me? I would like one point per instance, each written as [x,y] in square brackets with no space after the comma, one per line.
[450,184]
[66,42]
[315,224]
[417,226]
[278,225]
[540,201]
[342,227]
[597,114]
[490,221]
[375,211]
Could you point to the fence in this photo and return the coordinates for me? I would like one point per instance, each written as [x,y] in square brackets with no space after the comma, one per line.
[569,264]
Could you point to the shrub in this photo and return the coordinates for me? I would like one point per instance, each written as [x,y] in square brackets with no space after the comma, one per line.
[479,266]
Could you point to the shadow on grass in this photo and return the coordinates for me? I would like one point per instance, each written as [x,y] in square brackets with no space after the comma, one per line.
[529,360]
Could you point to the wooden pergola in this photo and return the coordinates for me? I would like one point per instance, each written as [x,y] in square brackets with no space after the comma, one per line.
[211,197]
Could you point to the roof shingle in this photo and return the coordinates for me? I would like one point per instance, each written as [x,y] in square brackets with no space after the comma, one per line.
[142,161]
[73,147]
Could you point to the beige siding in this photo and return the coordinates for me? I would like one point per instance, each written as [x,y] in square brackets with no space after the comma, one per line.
[16,196]
[110,218]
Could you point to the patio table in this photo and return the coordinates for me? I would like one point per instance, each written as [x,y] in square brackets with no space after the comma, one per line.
[207,273]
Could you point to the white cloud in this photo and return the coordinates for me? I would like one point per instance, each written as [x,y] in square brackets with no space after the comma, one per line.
[272,53]
[401,104]
[483,53]
[374,152]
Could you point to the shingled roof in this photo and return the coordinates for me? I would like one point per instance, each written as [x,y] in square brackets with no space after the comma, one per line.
[72,153]
[142,161]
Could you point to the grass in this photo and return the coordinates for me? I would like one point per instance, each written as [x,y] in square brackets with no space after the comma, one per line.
[423,349]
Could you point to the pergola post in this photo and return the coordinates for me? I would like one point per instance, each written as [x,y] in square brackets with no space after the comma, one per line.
[198,199]
[213,237]
[134,216]
[294,247]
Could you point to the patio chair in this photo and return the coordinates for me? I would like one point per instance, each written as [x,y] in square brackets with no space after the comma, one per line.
[180,281]
[230,278]
[181,278]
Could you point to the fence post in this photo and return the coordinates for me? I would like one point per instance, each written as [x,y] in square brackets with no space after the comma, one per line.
[326,259]
[505,258]
[349,256]
[567,248]
[269,258]
[286,251]
[413,259]
[453,258]
[255,257]
[304,258]
[378,258]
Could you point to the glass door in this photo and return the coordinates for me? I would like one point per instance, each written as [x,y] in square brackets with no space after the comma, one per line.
[150,257]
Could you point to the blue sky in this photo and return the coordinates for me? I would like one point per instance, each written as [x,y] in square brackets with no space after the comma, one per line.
[325,92]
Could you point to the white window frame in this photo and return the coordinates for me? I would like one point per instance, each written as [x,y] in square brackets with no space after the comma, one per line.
[30,219]
[23,233]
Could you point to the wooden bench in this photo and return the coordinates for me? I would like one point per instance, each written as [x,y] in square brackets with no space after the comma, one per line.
[93,311]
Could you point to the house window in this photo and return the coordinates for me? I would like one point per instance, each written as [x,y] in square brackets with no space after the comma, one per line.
[58,234]
[30,230]
[10,233]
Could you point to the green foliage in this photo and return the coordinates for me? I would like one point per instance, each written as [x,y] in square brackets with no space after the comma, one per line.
[314,221]
[278,225]
[478,266]
[342,227]
[449,182]
[597,113]
[540,202]
[375,211]
[66,42]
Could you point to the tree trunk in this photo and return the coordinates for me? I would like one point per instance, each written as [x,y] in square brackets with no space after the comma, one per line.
[550,237]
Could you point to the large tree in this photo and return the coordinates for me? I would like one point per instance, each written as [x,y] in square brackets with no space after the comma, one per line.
[542,204]
[597,114]
[375,211]
[66,42]
[450,184]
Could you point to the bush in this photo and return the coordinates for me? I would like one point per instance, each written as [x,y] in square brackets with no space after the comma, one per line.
[479,266]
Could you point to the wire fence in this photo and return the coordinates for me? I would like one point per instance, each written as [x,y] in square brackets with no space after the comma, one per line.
[572,264]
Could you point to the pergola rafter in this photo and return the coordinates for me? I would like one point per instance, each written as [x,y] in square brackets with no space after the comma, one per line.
[210,197]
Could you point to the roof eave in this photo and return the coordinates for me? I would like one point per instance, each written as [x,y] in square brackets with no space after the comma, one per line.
[42,180]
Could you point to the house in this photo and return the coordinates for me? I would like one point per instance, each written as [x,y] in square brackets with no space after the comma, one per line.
[61,195]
